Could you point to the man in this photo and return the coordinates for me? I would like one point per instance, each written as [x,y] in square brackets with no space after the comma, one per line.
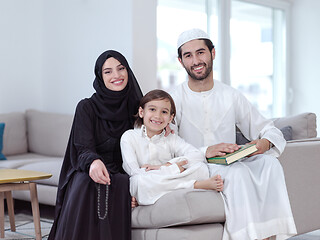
[208,112]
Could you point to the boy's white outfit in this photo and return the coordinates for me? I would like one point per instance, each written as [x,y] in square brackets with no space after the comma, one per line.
[138,149]
[255,194]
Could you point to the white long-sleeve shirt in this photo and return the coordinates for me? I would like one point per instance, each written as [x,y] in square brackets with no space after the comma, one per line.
[138,149]
[148,186]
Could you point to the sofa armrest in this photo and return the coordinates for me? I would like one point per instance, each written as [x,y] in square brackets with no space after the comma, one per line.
[315,139]
[301,164]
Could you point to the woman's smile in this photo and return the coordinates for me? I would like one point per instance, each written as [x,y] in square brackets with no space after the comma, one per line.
[117,82]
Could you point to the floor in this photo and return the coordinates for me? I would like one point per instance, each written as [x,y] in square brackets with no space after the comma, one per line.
[25,229]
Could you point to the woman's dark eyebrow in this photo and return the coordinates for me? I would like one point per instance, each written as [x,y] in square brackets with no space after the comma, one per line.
[111,68]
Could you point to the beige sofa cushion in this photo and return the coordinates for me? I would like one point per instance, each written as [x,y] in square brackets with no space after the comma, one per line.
[303,125]
[48,133]
[181,207]
[46,195]
[47,165]
[15,133]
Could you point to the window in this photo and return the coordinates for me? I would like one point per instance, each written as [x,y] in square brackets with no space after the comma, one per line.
[250,41]
[174,17]
[253,43]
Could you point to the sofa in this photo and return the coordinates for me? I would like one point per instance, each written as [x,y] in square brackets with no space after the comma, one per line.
[37,140]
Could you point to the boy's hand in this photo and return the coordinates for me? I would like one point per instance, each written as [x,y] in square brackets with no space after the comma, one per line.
[181,164]
[151,167]
[134,202]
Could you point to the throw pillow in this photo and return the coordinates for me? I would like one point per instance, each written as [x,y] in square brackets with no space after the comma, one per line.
[286,131]
[241,139]
[303,125]
[2,157]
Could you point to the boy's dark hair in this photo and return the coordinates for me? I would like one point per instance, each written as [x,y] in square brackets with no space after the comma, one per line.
[206,41]
[156,94]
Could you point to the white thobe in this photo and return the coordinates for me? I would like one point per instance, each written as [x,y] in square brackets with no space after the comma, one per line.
[255,195]
[148,186]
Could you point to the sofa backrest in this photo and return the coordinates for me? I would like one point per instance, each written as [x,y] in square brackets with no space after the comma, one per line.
[48,133]
[303,125]
[300,126]
[15,133]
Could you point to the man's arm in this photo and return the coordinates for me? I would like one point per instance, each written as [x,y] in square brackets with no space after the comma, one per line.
[258,129]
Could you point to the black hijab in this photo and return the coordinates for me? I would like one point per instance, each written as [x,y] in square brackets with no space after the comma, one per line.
[116,107]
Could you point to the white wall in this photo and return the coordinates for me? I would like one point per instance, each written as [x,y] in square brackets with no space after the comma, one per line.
[20,55]
[49,48]
[144,22]
[305,61]
[75,33]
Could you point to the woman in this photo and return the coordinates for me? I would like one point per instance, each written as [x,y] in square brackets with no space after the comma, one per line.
[93,200]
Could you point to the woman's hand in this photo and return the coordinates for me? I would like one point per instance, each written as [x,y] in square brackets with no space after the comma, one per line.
[99,173]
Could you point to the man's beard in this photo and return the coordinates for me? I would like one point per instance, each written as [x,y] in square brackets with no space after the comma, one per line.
[200,77]
[203,76]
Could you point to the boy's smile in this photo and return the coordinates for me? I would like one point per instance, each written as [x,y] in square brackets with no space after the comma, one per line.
[156,116]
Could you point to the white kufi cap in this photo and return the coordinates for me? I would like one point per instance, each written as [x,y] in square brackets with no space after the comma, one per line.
[191,34]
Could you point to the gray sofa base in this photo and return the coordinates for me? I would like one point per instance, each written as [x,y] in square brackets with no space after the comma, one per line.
[203,231]
[301,163]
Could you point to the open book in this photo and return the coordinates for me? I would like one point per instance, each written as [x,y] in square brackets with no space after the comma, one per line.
[229,158]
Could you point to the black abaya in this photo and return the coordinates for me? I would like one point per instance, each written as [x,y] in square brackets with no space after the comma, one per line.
[81,211]
[77,211]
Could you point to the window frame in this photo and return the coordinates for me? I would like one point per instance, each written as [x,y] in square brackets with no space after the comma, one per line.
[282,90]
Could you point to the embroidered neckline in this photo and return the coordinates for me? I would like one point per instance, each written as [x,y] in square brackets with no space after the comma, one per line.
[155,137]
